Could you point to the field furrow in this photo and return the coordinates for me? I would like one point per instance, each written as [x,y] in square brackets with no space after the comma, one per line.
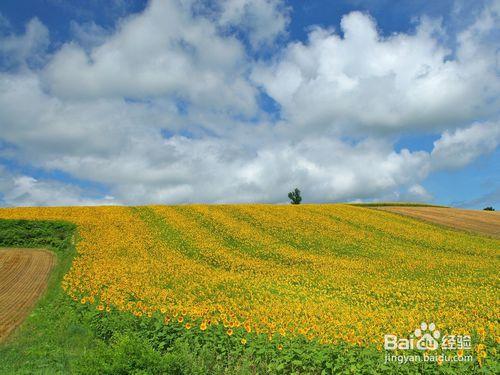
[23,278]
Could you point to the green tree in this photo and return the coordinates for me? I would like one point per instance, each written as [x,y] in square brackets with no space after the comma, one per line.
[295,196]
[489,208]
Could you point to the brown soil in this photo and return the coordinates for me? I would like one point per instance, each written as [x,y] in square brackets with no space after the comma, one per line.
[23,278]
[482,222]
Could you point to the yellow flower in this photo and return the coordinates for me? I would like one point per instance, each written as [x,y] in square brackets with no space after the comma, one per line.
[280,347]
[243,341]
[230,332]
[188,326]
[285,270]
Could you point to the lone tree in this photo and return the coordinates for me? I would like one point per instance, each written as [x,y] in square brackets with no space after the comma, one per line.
[295,196]
[489,208]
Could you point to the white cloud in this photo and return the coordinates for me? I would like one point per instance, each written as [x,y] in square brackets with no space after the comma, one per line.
[89,35]
[97,109]
[119,144]
[210,170]
[476,40]
[46,127]
[164,51]
[262,20]
[459,148]
[362,82]
[29,48]
[22,190]
[418,193]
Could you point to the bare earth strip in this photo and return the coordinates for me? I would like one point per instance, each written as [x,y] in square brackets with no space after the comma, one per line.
[23,278]
[483,222]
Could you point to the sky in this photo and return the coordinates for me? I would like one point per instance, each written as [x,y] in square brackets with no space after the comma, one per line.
[233,101]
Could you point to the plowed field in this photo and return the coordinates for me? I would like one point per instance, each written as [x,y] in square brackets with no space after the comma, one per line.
[483,222]
[23,278]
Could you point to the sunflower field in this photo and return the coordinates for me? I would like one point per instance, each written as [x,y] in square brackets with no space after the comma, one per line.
[323,275]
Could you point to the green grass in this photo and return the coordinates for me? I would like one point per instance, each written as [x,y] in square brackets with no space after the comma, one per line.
[51,336]
[62,336]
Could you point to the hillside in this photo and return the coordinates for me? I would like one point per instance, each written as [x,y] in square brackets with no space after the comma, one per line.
[327,274]
[482,222]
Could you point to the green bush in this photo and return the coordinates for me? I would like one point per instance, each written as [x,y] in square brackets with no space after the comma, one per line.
[26,233]
[295,196]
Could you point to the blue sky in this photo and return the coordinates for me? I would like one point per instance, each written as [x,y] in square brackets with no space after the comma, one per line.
[137,102]
[392,16]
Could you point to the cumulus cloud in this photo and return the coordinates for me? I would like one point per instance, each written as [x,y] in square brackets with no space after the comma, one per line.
[162,109]
[120,145]
[459,148]
[27,49]
[22,190]
[164,51]
[88,34]
[210,170]
[359,81]
[417,193]
[262,20]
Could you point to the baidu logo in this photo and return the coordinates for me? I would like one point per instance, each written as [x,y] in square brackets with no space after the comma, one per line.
[423,338]
[428,339]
